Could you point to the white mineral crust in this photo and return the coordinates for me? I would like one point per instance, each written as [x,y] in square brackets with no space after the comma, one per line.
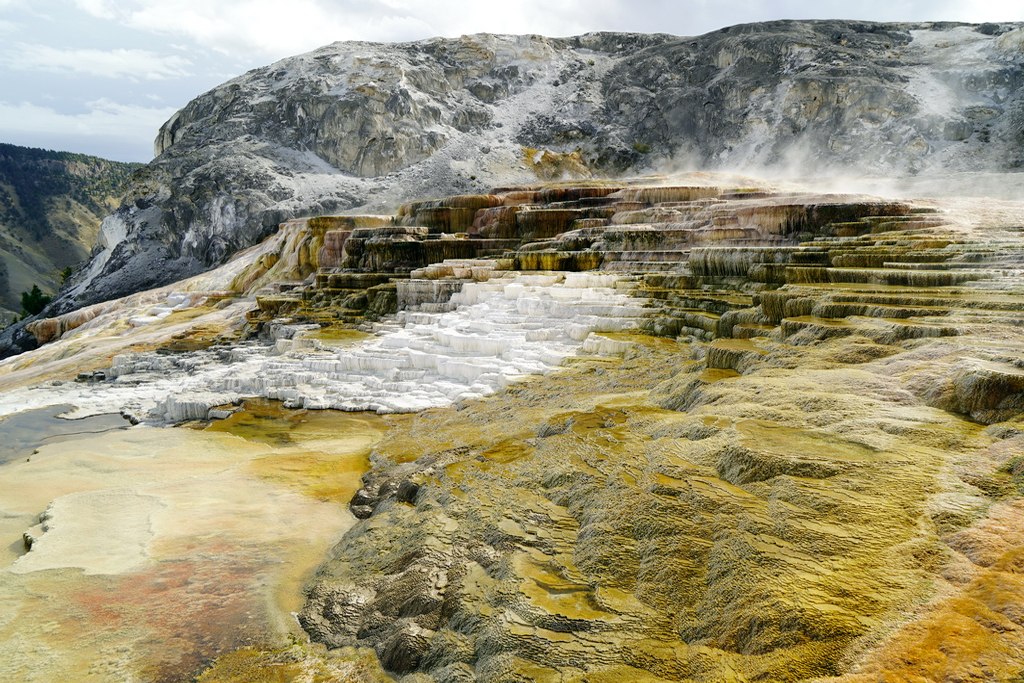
[498,331]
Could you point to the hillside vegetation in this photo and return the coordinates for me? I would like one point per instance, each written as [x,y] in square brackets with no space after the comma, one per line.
[51,206]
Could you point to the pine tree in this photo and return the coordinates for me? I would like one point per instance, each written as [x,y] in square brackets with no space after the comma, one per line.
[34,301]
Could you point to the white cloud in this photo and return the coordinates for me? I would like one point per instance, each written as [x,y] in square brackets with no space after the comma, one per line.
[244,28]
[104,9]
[103,118]
[114,63]
[241,27]
[27,9]
[980,10]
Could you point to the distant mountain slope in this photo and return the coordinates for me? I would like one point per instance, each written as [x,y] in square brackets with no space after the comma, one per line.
[51,207]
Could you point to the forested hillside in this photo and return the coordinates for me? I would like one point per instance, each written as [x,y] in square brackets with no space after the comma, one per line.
[51,206]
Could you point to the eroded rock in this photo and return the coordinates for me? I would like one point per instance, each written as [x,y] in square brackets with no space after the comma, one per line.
[357,124]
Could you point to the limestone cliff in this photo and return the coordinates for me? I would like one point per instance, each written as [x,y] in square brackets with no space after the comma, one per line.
[802,483]
[365,126]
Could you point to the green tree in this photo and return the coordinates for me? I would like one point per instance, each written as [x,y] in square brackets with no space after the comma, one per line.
[34,301]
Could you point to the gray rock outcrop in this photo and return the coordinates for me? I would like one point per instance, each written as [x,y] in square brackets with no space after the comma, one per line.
[364,126]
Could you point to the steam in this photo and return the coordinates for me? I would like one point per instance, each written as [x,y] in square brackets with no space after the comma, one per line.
[804,166]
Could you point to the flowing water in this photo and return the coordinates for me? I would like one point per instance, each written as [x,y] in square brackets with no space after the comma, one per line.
[24,432]
[154,550]
[496,332]
[164,548]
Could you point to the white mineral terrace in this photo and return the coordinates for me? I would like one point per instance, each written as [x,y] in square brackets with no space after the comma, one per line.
[496,332]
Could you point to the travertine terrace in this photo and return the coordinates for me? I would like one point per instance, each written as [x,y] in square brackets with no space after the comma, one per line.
[358,127]
[802,485]
[784,441]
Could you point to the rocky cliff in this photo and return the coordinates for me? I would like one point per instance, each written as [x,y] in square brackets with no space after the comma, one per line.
[362,125]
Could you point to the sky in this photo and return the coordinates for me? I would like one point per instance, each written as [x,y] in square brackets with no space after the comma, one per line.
[101,76]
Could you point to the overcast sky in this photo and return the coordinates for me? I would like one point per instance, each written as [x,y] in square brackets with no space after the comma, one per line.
[100,76]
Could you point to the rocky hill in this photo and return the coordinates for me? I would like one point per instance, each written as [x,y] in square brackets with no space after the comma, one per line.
[357,126]
[51,206]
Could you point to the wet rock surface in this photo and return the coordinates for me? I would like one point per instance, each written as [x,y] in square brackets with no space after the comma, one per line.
[782,489]
[577,527]
[493,332]
[785,444]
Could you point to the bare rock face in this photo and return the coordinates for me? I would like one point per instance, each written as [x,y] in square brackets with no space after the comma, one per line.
[369,125]
[363,126]
[885,98]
